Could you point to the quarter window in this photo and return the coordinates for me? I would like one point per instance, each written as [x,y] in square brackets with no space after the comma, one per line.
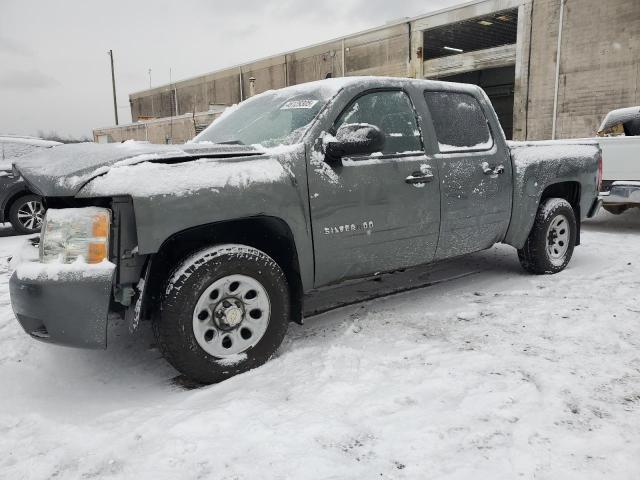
[390,111]
[459,122]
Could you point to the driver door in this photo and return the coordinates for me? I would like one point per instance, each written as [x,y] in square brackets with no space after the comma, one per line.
[380,212]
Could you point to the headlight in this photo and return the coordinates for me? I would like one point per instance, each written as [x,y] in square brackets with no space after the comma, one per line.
[75,233]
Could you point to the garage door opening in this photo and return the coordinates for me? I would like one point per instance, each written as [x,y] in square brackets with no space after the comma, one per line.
[499,85]
[482,33]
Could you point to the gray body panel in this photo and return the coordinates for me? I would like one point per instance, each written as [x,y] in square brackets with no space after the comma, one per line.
[396,224]
[476,207]
[350,218]
[169,211]
[539,165]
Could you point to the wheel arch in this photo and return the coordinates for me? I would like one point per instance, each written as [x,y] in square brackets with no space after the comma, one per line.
[527,201]
[570,191]
[11,199]
[271,235]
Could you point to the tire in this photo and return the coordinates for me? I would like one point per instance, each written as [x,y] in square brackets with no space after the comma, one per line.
[211,329]
[550,244]
[616,209]
[26,214]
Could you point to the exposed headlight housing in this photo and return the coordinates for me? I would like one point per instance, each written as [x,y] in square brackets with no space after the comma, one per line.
[75,234]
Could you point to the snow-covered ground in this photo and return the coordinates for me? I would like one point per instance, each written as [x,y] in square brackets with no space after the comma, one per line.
[492,375]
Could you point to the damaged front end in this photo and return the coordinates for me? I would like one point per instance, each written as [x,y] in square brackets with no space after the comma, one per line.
[62,303]
[81,268]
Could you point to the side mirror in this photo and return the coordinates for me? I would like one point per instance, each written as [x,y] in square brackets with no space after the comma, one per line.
[355,139]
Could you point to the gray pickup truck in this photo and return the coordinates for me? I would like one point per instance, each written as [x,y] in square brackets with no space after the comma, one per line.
[217,241]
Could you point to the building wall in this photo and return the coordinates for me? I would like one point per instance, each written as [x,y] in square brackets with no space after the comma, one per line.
[382,52]
[599,65]
[175,130]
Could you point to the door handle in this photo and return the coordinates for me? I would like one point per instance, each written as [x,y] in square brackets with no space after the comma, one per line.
[419,177]
[499,170]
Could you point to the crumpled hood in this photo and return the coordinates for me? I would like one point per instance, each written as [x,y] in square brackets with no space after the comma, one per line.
[63,171]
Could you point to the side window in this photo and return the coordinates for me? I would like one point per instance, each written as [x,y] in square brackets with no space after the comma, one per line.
[459,122]
[391,112]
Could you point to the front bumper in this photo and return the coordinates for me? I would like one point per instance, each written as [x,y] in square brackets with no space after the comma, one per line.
[622,193]
[63,304]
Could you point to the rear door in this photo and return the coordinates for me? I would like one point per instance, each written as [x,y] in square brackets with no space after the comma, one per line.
[375,213]
[475,173]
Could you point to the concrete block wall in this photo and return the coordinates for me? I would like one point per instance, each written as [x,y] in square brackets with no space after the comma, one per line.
[381,52]
[177,129]
[599,65]
[605,74]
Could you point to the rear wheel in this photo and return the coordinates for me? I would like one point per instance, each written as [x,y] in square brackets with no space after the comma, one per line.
[225,311]
[550,244]
[26,214]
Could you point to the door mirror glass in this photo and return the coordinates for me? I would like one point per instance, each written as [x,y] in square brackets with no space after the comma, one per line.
[355,139]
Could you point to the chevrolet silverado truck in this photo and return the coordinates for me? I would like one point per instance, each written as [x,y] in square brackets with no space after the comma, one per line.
[217,241]
[619,138]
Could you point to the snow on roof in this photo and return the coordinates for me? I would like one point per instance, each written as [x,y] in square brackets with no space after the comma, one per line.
[331,86]
[13,146]
[35,141]
[622,115]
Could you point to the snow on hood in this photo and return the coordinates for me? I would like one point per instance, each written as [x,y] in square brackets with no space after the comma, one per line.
[148,179]
[64,170]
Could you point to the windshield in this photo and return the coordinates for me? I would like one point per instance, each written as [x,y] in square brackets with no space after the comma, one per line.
[273,118]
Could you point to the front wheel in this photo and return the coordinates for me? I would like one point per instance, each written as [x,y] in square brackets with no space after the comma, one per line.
[225,310]
[26,214]
[550,244]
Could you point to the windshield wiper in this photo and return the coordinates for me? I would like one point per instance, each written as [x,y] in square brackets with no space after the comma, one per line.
[230,142]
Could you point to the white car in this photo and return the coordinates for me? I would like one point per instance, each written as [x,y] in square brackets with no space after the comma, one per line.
[620,143]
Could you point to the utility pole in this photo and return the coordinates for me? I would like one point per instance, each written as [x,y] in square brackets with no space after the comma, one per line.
[153,112]
[113,84]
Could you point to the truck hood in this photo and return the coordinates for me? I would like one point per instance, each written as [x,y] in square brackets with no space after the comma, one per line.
[63,171]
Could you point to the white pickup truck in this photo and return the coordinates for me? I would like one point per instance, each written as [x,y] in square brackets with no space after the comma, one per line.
[620,143]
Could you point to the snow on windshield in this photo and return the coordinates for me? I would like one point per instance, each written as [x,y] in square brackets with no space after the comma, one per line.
[273,118]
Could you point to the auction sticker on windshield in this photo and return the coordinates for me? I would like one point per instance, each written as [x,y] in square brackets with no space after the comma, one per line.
[299,104]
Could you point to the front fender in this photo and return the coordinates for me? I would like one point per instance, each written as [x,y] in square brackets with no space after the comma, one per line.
[172,198]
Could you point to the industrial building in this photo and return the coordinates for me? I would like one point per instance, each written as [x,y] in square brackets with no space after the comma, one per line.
[552,68]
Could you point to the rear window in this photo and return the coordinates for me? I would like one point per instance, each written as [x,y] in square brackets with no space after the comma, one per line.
[459,122]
